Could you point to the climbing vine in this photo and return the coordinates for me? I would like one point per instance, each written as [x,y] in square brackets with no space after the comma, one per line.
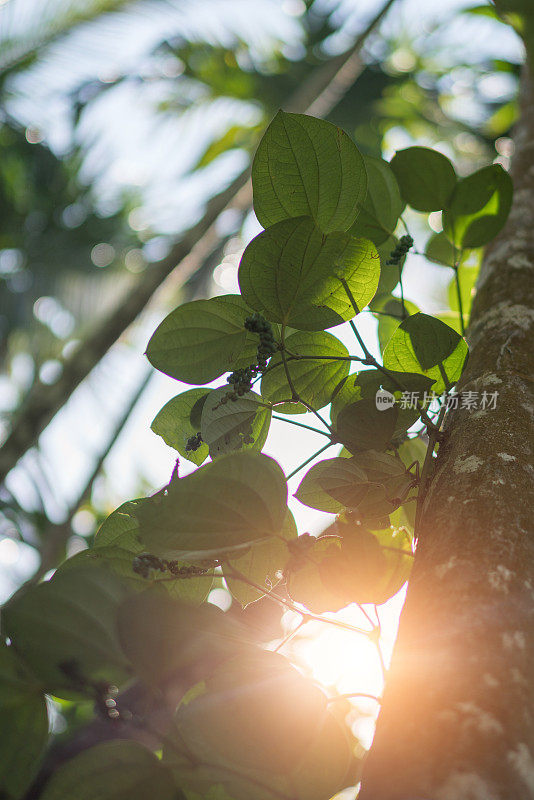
[131,610]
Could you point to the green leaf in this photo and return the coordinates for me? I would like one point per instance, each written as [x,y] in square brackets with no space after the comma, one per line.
[362,426]
[395,567]
[353,568]
[164,638]
[117,545]
[413,449]
[467,277]
[440,250]
[422,344]
[236,137]
[369,483]
[389,311]
[305,166]
[304,581]
[382,207]
[201,340]
[173,423]
[385,469]
[121,528]
[248,751]
[112,771]
[313,379]
[234,501]
[479,207]
[24,729]
[320,580]
[368,383]
[66,624]
[228,425]
[291,274]
[261,564]
[426,178]
[333,485]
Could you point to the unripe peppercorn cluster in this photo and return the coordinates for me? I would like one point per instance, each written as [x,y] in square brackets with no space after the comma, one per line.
[145,563]
[194,442]
[241,379]
[403,245]
[267,346]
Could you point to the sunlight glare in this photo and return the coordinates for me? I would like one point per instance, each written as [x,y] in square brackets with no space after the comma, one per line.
[346,662]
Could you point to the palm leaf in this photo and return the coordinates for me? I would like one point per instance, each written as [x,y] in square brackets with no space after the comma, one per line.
[27,27]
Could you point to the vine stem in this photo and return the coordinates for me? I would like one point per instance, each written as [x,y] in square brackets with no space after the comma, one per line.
[300,424]
[459,295]
[427,464]
[404,314]
[291,634]
[370,359]
[456,268]
[298,357]
[295,395]
[306,615]
[304,463]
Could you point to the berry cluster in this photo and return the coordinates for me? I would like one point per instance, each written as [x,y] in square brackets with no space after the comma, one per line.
[143,564]
[241,379]
[400,251]
[194,442]
[267,346]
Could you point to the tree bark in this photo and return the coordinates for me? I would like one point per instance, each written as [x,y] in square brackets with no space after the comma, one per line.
[457,721]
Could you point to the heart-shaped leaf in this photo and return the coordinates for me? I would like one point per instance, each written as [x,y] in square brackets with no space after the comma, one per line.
[383,205]
[262,564]
[225,505]
[479,207]
[201,340]
[424,344]
[174,424]
[409,392]
[363,426]
[333,485]
[291,273]
[234,424]
[313,379]
[426,178]
[306,166]
[247,750]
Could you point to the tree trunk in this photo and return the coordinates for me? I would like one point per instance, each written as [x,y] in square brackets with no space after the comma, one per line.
[458,716]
